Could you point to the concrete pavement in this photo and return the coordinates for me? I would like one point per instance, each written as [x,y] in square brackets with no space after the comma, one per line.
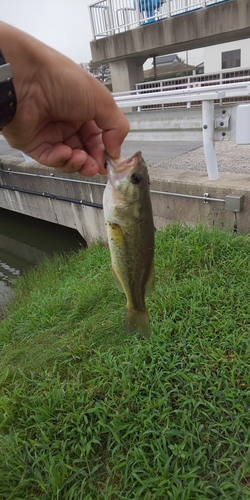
[184,155]
[155,153]
[158,153]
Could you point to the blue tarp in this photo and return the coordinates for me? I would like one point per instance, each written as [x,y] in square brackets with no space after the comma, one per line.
[149,6]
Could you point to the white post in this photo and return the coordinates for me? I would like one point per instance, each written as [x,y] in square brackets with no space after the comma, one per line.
[137,12]
[162,106]
[111,17]
[137,92]
[221,76]
[203,3]
[208,139]
[188,87]
[168,8]
[91,22]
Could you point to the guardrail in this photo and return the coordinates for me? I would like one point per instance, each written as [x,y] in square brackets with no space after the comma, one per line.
[205,95]
[115,16]
[195,81]
[196,94]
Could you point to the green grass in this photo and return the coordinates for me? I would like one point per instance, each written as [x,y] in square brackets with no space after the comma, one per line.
[87,413]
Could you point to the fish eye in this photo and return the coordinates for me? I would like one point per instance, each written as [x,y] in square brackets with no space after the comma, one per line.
[135,178]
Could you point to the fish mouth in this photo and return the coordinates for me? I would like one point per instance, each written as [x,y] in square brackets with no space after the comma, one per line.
[122,164]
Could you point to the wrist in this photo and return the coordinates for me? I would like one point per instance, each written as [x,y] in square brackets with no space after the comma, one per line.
[7,93]
[20,50]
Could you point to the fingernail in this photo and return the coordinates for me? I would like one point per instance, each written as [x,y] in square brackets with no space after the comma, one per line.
[115,154]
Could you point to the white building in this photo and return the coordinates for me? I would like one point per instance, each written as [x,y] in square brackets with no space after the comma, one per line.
[227,56]
[231,56]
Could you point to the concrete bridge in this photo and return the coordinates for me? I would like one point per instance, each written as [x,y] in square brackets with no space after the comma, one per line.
[127,51]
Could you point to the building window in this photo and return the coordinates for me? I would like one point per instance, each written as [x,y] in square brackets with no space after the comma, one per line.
[230,59]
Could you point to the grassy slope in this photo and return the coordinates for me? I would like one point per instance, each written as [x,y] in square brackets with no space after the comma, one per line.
[87,413]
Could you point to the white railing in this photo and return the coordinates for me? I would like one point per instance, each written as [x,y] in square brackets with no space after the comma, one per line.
[227,91]
[194,81]
[206,95]
[197,80]
[115,16]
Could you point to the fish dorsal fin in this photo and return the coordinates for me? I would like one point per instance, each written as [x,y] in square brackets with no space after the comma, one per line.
[151,281]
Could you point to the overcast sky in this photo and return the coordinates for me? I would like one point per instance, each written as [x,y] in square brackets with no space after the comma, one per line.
[63,24]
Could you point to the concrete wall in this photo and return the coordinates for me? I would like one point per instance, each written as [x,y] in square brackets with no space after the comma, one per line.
[88,221]
[212,55]
[166,208]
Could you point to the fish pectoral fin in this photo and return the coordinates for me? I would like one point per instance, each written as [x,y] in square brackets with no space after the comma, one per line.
[151,281]
[117,280]
[116,234]
[137,321]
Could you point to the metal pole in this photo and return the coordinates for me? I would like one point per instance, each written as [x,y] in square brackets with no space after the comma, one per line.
[221,77]
[155,69]
[50,176]
[208,139]
[91,21]
[168,8]
[111,18]
[188,79]
[137,12]
[204,198]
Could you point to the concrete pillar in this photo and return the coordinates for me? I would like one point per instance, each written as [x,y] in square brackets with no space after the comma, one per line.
[126,72]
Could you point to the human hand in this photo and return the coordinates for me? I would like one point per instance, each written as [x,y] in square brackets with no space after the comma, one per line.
[65,118]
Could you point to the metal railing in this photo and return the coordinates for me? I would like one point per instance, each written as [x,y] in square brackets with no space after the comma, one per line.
[178,94]
[207,95]
[109,17]
[206,198]
[191,82]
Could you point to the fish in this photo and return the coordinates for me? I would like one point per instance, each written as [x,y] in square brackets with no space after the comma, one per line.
[130,231]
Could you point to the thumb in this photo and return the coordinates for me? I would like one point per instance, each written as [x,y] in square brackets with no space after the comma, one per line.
[114,137]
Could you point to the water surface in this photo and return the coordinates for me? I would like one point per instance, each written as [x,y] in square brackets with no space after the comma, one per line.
[24,241]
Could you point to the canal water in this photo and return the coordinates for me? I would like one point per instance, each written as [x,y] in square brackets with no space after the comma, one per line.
[25,241]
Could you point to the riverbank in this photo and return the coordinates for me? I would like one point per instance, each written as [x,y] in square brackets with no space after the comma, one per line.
[89,413]
[25,241]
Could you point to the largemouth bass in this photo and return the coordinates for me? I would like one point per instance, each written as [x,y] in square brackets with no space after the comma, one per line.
[130,229]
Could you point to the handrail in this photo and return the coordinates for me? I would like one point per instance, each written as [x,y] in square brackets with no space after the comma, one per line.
[206,198]
[197,80]
[108,17]
[211,92]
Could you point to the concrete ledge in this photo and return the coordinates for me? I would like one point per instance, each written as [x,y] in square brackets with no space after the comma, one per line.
[167,209]
[220,23]
[89,221]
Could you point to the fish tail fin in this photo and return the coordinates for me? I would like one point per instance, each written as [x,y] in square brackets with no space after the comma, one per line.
[137,321]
